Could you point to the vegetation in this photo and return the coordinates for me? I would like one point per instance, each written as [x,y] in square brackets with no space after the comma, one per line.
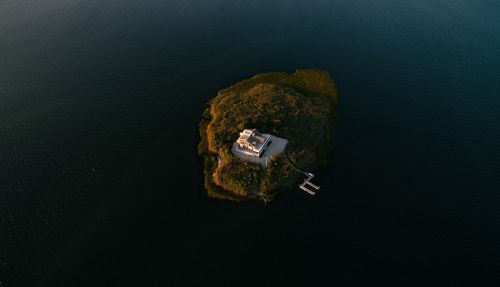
[278,172]
[299,107]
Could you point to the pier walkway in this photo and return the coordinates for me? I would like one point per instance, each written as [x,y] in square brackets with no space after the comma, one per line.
[307,182]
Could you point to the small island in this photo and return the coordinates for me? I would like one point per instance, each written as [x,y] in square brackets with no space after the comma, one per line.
[258,135]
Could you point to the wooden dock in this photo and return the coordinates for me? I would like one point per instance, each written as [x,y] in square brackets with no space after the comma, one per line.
[308,182]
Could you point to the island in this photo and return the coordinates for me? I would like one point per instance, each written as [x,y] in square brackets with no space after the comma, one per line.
[260,135]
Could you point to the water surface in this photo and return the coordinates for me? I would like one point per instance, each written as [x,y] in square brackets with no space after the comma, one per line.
[99,179]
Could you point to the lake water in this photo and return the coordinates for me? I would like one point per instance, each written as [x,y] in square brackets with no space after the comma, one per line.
[100,184]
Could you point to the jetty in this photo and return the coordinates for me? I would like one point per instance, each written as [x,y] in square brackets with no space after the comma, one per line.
[309,183]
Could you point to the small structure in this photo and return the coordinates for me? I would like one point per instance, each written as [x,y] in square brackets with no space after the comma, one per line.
[252,142]
[258,147]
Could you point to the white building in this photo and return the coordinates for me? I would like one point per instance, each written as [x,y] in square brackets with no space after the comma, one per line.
[253,143]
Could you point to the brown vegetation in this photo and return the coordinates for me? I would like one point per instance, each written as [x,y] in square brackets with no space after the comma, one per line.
[299,107]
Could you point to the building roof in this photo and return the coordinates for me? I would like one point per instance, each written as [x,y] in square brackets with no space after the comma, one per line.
[252,137]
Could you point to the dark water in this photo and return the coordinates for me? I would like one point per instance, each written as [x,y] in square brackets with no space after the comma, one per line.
[100,184]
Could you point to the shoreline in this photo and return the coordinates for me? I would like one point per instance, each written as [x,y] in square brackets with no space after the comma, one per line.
[282,173]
